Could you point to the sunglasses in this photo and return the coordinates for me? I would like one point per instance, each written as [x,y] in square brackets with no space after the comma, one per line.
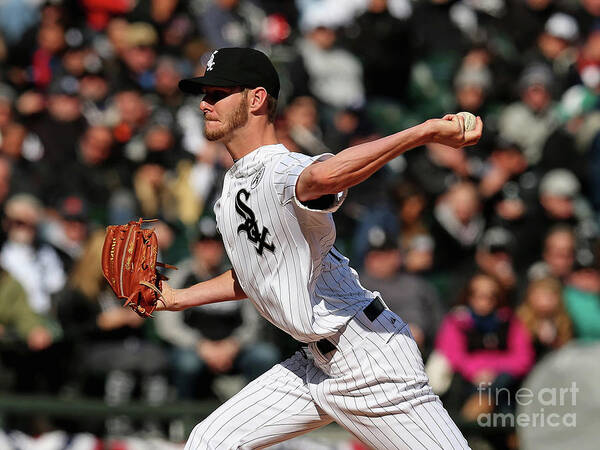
[18,223]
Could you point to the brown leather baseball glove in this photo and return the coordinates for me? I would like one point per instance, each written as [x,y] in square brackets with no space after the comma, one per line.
[129,264]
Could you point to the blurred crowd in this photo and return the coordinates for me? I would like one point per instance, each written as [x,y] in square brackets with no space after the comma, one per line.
[490,252]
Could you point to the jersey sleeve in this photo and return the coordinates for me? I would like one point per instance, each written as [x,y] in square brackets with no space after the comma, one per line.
[285,176]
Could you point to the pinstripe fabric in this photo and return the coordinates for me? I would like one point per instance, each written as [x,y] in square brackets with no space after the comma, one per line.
[300,286]
[373,384]
[376,387]
[275,407]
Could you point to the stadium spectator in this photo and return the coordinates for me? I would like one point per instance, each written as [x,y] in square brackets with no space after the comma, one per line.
[17,317]
[562,203]
[582,296]
[35,265]
[567,147]
[525,20]
[95,176]
[436,167]
[59,130]
[44,60]
[231,23]
[444,33]
[532,119]
[506,164]
[300,128]
[457,226]
[407,294]
[323,69]
[219,339]
[543,313]
[131,113]
[69,232]
[23,150]
[138,57]
[77,53]
[494,258]
[350,127]
[411,205]
[26,342]
[94,91]
[558,256]
[375,34]
[486,345]
[557,47]
[109,347]
[509,186]
[472,84]
[418,254]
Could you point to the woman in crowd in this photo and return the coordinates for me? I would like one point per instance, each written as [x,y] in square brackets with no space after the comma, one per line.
[487,347]
[543,313]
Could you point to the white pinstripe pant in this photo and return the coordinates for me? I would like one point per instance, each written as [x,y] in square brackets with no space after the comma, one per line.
[374,385]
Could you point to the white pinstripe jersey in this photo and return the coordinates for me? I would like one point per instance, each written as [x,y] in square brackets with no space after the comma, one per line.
[282,251]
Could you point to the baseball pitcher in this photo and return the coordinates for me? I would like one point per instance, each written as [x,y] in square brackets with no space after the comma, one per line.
[361,367]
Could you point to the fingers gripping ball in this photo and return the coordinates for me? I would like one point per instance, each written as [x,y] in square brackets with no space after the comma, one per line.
[129,265]
[470,120]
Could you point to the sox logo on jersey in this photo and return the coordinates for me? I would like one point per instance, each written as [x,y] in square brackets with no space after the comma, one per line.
[250,226]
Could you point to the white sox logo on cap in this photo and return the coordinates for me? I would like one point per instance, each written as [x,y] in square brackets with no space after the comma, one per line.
[211,62]
[237,66]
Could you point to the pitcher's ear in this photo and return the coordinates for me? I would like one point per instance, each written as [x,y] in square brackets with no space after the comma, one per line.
[257,98]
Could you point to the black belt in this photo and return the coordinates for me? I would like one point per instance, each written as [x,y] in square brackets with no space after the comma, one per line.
[372,311]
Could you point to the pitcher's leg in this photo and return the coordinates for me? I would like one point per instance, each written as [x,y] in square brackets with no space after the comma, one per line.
[378,390]
[275,407]
[426,426]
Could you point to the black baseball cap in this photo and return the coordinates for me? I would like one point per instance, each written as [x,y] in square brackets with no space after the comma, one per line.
[235,66]
[496,240]
[380,239]
[207,230]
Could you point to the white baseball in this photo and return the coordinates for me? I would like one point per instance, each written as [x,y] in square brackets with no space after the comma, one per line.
[469,120]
